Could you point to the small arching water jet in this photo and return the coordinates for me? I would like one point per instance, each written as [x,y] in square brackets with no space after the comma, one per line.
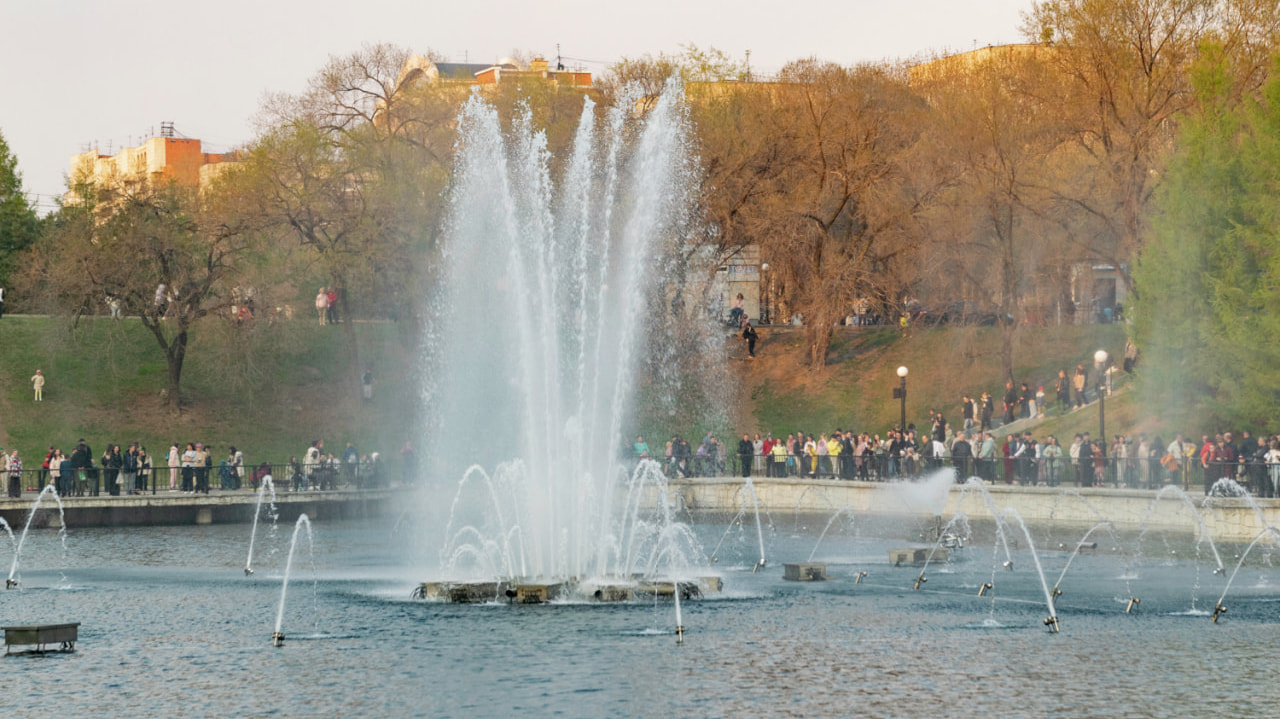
[12,580]
[277,637]
[266,486]
[1219,607]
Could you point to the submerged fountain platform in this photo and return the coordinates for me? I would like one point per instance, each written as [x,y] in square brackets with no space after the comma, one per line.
[538,592]
[40,636]
[805,572]
[917,557]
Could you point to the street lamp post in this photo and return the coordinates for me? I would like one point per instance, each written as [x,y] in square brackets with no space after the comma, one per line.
[764,313]
[902,395]
[1100,368]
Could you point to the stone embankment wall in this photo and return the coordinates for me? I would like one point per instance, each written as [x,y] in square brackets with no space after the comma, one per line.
[174,509]
[1168,510]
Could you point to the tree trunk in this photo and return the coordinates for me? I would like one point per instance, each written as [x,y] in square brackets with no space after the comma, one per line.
[819,341]
[175,355]
[349,333]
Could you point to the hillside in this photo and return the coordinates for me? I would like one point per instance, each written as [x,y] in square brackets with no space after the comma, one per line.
[269,389]
[779,394]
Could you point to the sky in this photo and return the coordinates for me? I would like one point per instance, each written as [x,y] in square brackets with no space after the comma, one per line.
[75,72]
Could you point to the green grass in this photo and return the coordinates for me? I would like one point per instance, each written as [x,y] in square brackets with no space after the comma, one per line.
[268,390]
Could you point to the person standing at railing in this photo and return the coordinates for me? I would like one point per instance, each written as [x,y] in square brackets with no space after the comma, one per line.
[14,469]
[1051,454]
[173,458]
[189,457]
[131,469]
[745,452]
[44,469]
[37,383]
[112,463]
[961,453]
[54,463]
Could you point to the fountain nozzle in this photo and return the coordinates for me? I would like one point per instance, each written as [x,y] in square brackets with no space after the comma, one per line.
[759,566]
[277,639]
[920,580]
[983,589]
[860,576]
[1052,623]
[1133,602]
[10,583]
[1056,592]
[1008,564]
[247,571]
[679,634]
[1220,570]
[1218,609]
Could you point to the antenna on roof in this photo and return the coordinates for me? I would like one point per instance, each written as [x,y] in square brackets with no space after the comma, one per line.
[559,64]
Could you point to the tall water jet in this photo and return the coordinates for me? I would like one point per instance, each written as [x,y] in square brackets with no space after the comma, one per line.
[266,486]
[277,637]
[548,301]
[12,580]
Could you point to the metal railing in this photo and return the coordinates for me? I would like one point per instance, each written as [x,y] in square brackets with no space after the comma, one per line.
[1257,478]
[96,480]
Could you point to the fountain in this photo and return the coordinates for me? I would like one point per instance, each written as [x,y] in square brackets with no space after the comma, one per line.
[548,296]
[266,486]
[277,637]
[12,580]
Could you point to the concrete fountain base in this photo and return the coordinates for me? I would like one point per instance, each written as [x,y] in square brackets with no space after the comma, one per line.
[542,592]
[805,571]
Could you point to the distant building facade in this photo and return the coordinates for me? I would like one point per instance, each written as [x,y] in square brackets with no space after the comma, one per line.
[485,74]
[159,160]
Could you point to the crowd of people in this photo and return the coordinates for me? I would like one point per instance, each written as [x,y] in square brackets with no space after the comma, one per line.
[190,469]
[1139,462]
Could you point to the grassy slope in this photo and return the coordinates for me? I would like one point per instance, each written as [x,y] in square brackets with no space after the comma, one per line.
[278,388]
[781,395]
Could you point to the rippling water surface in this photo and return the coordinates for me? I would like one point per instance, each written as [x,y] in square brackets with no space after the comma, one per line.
[170,626]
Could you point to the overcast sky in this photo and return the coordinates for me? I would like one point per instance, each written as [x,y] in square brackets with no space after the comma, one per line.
[76,71]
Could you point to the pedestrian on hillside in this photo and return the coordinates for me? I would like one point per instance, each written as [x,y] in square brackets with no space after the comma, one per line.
[366,385]
[37,383]
[1078,381]
[1062,387]
[322,305]
[749,334]
[1,302]
[1039,406]
[331,316]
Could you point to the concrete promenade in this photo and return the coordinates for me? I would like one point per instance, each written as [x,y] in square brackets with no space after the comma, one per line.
[1168,510]
[175,508]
